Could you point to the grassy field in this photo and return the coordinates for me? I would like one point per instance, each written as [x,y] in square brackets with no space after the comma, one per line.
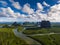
[20,28]
[7,37]
[53,39]
[42,31]
[48,39]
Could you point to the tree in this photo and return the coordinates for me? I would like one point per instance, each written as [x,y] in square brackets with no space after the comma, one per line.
[45,24]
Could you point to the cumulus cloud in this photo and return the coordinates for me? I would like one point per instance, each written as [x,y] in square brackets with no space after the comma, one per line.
[58,1]
[45,4]
[39,9]
[53,15]
[15,4]
[26,8]
[39,6]
[4,3]
[54,12]
[34,15]
[8,12]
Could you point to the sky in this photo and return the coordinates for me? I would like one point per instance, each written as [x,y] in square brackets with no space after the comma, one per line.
[29,10]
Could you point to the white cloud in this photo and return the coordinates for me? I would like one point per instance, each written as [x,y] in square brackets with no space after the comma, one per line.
[35,16]
[27,9]
[39,6]
[4,3]
[45,4]
[54,13]
[3,19]
[58,1]
[8,12]
[16,5]
[11,1]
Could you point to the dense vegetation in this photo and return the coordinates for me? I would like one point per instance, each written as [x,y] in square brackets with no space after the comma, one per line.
[48,39]
[43,30]
[7,37]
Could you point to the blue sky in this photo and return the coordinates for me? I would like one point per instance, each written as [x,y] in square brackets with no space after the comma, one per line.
[27,10]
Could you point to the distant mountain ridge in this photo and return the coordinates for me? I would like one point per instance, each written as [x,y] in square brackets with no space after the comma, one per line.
[23,22]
